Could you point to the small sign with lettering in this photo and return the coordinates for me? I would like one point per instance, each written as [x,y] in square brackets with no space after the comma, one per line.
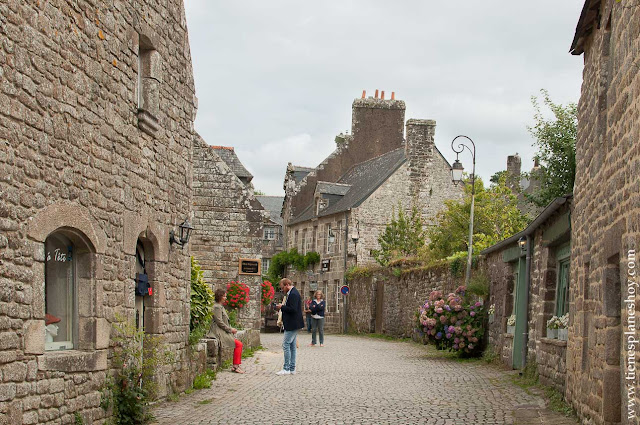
[250,266]
[326,265]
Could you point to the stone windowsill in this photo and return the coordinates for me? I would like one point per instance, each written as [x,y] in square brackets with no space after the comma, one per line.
[73,361]
[553,341]
[508,335]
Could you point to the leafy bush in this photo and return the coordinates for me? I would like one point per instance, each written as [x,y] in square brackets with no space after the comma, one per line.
[479,285]
[281,260]
[201,304]
[268,292]
[204,379]
[453,323]
[402,237]
[136,357]
[237,295]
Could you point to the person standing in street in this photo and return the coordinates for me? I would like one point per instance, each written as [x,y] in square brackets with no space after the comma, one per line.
[292,322]
[317,317]
[307,312]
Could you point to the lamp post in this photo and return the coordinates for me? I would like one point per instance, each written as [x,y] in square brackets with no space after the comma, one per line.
[456,174]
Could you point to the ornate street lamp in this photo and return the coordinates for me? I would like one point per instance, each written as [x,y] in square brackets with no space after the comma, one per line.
[185,234]
[456,176]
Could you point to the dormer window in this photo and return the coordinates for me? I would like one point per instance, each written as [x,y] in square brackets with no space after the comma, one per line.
[269,233]
[321,205]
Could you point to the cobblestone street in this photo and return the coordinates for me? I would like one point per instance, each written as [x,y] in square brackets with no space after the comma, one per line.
[359,380]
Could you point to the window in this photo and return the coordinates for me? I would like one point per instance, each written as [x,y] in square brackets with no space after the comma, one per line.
[339,237]
[303,249]
[336,284]
[270,233]
[562,289]
[314,246]
[295,240]
[60,293]
[148,86]
[266,262]
[330,239]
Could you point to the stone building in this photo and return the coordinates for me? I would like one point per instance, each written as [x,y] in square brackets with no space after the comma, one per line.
[529,281]
[339,208]
[272,233]
[228,222]
[602,376]
[96,129]
[523,185]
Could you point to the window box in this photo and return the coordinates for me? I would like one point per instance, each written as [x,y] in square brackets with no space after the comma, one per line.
[552,333]
[563,334]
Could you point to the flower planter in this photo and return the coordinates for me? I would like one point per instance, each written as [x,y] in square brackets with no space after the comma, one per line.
[552,333]
[511,330]
[563,334]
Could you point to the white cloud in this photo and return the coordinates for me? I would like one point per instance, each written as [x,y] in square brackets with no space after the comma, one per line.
[276,79]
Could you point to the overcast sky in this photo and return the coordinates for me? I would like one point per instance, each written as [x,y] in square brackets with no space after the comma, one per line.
[276,79]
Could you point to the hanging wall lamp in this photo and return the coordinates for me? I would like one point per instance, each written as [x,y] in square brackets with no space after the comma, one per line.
[185,234]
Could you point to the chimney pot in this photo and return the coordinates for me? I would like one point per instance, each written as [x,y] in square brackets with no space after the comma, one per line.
[382,94]
[364,93]
[393,95]
[376,93]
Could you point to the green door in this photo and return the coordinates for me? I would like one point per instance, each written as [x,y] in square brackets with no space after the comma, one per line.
[521,312]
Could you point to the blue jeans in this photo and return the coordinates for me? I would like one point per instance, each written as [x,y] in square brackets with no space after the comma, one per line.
[318,325]
[289,348]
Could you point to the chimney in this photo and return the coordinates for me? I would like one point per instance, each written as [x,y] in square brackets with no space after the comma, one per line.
[382,94]
[364,94]
[376,93]
[514,168]
[393,95]
[419,150]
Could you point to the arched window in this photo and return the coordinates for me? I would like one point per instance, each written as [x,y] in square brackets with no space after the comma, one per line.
[60,293]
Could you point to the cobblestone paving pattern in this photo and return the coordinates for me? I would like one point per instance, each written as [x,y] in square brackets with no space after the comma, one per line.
[358,380]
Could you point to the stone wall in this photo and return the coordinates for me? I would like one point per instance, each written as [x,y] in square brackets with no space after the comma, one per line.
[88,154]
[607,213]
[401,298]
[548,354]
[227,226]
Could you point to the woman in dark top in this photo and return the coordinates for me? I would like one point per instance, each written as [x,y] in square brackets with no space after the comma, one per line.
[317,308]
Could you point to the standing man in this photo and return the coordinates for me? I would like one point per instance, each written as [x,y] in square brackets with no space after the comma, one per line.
[293,322]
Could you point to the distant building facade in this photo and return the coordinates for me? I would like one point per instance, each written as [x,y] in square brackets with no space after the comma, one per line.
[272,229]
[228,222]
[340,208]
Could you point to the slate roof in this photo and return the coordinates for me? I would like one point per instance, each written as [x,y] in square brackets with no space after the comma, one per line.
[364,178]
[332,188]
[228,155]
[273,204]
[300,173]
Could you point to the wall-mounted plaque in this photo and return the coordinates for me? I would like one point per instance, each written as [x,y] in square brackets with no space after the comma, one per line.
[326,265]
[250,266]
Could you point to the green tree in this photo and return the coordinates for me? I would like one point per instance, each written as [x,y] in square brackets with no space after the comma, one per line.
[496,217]
[402,237]
[556,143]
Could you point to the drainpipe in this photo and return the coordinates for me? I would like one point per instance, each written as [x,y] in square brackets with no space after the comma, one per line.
[526,297]
[344,276]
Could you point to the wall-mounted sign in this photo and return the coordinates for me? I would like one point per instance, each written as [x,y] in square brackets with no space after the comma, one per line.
[344,289]
[250,266]
[313,285]
[326,265]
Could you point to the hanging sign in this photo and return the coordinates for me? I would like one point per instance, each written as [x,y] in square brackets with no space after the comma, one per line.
[326,265]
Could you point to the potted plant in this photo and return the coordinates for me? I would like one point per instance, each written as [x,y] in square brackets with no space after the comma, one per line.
[563,332]
[511,324]
[491,311]
[552,327]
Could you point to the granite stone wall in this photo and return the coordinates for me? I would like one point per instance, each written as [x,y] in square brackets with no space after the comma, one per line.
[88,152]
[227,225]
[401,298]
[605,222]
